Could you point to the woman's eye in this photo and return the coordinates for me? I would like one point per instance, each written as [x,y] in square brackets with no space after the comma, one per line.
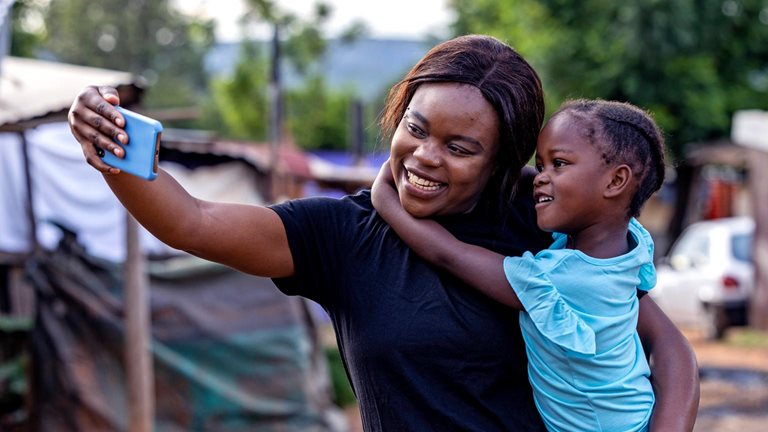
[415,130]
[458,149]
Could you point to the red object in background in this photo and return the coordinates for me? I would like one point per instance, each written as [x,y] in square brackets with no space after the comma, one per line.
[719,200]
[730,282]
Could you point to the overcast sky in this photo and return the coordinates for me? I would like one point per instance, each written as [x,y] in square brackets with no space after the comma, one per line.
[384,18]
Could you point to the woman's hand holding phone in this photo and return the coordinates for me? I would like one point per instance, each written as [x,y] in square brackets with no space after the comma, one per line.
[100,128]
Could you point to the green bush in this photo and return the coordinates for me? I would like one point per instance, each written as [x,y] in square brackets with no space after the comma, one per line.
[343,396]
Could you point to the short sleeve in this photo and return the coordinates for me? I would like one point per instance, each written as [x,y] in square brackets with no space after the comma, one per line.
[647,272]
[316,231]
[549,312]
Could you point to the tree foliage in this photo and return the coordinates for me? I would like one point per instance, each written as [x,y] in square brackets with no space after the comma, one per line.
[692,63]
[148,38]
[523,24]
[315,116]
[302,40]
[153,40]
[27,30]
[239,105]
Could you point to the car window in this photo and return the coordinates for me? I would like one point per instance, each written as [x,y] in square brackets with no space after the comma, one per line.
[694,246]
[741,245]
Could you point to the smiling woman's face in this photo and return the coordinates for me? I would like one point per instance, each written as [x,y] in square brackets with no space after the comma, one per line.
[444,149]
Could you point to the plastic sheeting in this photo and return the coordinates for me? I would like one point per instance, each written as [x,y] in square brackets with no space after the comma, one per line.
[65,189]
[230,352]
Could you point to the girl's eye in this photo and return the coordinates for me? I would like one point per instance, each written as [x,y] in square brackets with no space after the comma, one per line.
[539,167]
[558,163]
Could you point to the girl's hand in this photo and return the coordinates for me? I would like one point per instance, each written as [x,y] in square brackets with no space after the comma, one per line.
[383,191]
[95,123]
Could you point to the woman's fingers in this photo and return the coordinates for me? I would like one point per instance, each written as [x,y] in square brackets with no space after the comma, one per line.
[94,122]
[110,95]
[89,126]
[92,145]
[94,106]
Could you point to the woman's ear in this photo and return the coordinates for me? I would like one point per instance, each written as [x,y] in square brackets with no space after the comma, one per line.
[620,177]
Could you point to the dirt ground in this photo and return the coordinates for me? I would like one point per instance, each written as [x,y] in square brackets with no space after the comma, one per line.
[734,383]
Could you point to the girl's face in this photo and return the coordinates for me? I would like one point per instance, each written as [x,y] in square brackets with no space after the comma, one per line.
[572,177]
[444,149]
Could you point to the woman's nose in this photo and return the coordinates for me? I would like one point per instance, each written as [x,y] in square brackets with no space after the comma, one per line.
[428,153]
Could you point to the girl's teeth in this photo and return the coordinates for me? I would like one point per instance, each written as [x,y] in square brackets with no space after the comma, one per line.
[422,183]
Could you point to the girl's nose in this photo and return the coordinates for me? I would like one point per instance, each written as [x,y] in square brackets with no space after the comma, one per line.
[428,154]
[540,179]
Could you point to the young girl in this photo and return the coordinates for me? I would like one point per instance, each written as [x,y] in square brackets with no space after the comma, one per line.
[597,162]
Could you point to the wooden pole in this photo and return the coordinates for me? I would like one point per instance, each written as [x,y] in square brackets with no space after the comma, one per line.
[29,207]
[275,116]
[138,358]
[750,129]
[758,183]
[357,134]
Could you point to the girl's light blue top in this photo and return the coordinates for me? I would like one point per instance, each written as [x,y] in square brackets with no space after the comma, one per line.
[585,360]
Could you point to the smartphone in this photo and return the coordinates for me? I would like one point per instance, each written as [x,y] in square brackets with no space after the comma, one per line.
[143,149]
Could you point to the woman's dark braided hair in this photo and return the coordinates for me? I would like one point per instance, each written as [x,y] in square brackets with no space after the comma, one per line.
[626,135]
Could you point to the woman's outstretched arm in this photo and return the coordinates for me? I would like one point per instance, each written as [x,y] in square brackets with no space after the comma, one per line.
[674,370]
[479,267]
[249,238]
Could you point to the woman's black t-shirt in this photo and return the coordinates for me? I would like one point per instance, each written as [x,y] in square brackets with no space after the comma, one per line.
[423,350]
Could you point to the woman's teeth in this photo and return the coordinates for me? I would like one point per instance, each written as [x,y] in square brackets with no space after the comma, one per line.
[422,183]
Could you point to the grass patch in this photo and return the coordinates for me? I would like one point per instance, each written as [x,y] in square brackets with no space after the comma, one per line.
[747,338]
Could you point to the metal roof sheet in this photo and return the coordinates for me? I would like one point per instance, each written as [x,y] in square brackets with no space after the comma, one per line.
[34,88]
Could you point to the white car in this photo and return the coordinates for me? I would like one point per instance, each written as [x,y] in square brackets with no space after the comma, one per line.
[708,277]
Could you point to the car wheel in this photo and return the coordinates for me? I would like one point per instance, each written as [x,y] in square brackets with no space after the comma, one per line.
[715,322]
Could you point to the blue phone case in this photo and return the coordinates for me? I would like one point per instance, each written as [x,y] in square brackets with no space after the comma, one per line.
[143,149]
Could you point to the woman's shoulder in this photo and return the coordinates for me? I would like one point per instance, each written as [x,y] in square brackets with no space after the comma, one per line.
[324,217]
[358,202]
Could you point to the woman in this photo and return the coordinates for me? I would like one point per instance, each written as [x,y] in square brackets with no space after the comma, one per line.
[423,350]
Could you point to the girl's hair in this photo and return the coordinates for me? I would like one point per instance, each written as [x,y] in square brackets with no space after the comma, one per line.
[626,135]
[506,81]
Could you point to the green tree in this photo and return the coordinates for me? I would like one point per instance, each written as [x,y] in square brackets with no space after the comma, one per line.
[148,38]
[238,108]
[692,63]
[317,117]
[524,24]
[27,28]
[302,40]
